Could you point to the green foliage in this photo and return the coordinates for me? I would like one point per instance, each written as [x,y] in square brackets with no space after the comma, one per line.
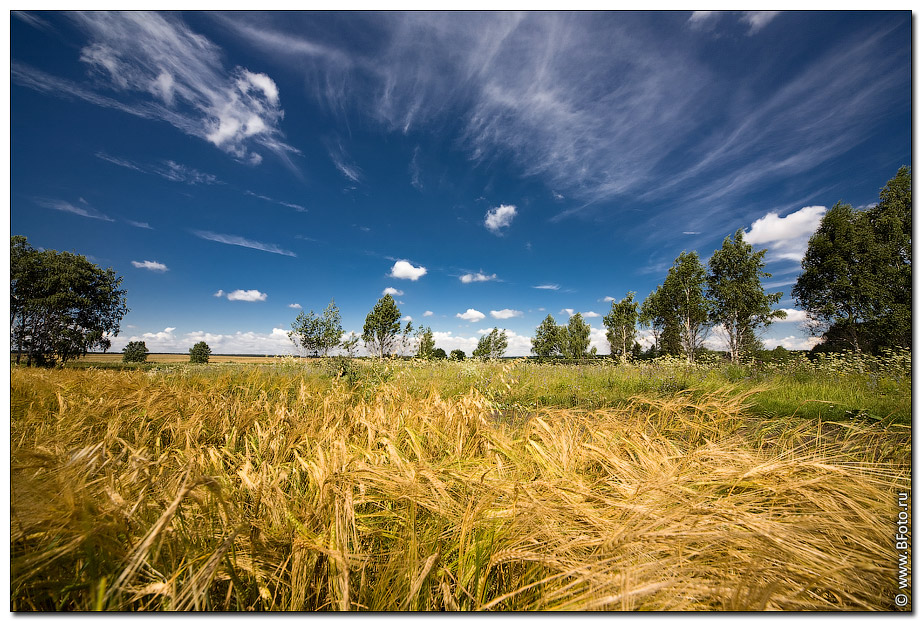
[382,327]
[577,337]
[458,355]
[199,353]
[135,352]
[426,345]
[439,354]
[61,305]
[492,345]
[857,272]
[683,299]
[548,338]
[317,335]
[657,315]
[621,323]
[737,300]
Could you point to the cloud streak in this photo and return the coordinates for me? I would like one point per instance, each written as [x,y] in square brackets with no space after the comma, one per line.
[236,240]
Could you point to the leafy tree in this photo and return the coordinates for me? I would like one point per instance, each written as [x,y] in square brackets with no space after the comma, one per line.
[492,345]
[838,286]
[577,337]
[61,305]
[661,319]
[683,298]
[457,355]
[405,339]
[738,302]
[439,354]
[621,322]
[199,353]
[548,339]
[317,335]
[426,344]
[382,327]
[135,352]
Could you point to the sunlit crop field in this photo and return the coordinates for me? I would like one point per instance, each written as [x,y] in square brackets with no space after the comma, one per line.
[361,486]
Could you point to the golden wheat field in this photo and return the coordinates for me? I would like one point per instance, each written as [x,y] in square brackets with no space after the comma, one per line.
[271,488]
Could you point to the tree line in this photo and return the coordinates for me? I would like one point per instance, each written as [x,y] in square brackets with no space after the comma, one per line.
[855,285]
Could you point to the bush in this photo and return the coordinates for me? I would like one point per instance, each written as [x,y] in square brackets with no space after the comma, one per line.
[135,352]
[457,355]
[199,353]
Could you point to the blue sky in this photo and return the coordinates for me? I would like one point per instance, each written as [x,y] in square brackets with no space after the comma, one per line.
[490,167]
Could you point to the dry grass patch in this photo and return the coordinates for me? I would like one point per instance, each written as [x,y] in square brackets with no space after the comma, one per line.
[262,491]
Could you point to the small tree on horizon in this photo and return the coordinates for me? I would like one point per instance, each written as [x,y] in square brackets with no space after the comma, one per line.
[382,327]
[492,345]
[577,337]
[548,339]
[199,353]
[426,344]
[317,335]
[135,352]
[621,323]
[457,355]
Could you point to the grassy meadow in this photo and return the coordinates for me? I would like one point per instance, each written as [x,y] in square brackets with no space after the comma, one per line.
[505,486]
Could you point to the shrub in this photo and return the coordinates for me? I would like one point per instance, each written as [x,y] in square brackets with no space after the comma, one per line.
[457,355]
[199,353]
[135,352]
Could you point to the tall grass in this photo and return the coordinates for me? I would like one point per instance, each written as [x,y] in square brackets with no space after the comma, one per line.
[268,488]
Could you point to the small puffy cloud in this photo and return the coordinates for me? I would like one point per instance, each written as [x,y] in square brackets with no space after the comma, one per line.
[405,270]
[608,299]
[551,286]
[505,314]
[499,217]
[392,291]
[154,266]
[248,295]
[471,315]
[591,314]
[794,315]
[427,313]
[407,318]
[786,237]
[569,312]
[477,278]
[294,305]
[219,293]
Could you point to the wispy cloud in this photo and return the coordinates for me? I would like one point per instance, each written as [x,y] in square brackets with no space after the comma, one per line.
[139,225]
[294,206]
[415,171]
[341,160]
[168,170]
[757,20]
[153,266]
[237,240]
[66,206]
[160,69]
[551,286]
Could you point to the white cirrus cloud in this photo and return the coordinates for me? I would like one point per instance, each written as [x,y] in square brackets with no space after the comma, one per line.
[392,291]
[236,240]
[757,20]
[66,206]
[499,217]
[159,69]
[154,266]
[480,277]
[550,286]
[405,270]
[786,236]
[471,315]
[247,295]
[505,314]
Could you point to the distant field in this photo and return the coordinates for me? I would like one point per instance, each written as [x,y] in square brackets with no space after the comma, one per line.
[115,357]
